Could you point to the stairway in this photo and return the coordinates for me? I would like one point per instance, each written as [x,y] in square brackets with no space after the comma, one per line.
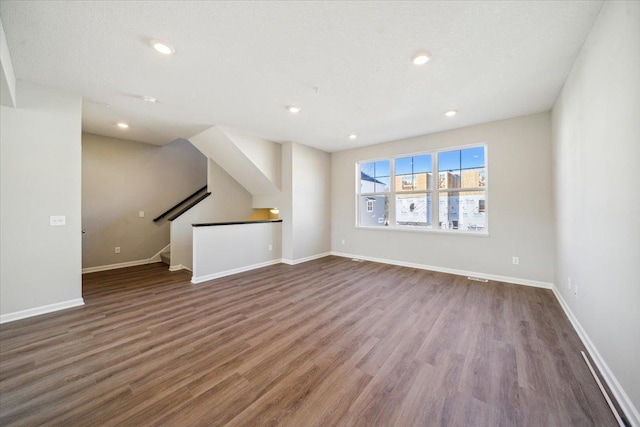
[166,257]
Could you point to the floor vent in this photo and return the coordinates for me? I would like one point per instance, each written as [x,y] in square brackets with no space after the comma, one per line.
[477,279]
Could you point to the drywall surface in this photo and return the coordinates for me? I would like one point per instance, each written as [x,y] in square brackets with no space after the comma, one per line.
[311,191]
[40,167]
[596,134]
[217,145]
[519,203]
[265,155]
[120,178]
[305,202]
[286,201]
[227,249]
[7,75]
[229,201]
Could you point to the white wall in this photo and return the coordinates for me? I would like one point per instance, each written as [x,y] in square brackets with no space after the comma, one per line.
[596,133]
[7,76]
[227,249]
[305,202]
[519,205]
[120,178]
[40,167]
[229,201]
[311,202]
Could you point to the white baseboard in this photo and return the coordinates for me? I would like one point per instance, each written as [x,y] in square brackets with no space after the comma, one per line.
[629,409]
[153,259]
[515,280]
[178,267]
[195,280]
[119,265]
[10,317]
[301,260]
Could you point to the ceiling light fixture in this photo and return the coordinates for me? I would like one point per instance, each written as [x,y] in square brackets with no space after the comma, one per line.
[149,99]
[162,47]
[421,58]
[451,113]
[352,136]
[293,109]
[123,125]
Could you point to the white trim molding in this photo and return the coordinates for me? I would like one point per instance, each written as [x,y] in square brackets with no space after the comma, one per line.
[156,257]
[306,259]
[119,265]
[196,280]
[179,267]
[11,317]
[495,277]
[629,409]
[153,259]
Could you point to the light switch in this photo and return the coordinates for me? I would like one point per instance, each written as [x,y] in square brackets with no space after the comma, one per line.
[141,214]
[57,220]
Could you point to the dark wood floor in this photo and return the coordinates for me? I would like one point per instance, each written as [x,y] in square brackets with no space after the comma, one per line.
[328,342]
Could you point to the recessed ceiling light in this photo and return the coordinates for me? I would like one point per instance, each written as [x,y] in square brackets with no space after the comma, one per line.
[162,47]
[353,136]
[123,125]
[293,109]
[451,113]
[149,99]
[421,58]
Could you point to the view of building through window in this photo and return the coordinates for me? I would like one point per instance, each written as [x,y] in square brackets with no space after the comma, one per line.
[461,170]
[408,181]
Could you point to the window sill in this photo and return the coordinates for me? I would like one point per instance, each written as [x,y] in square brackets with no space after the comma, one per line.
[427,230]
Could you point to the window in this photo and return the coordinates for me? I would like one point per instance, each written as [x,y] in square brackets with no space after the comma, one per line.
[456,180]
[374,193]
[413,190]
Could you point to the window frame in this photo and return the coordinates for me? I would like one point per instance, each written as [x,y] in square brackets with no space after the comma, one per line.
[433,190]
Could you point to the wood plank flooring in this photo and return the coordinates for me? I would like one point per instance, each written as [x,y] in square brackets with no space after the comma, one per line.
[328,342]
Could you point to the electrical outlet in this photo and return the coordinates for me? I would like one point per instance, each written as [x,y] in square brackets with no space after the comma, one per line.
[569,282]
[117,249]
[343,241]
[516,260]
[270,247]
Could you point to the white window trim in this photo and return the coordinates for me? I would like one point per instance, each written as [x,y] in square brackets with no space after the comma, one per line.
[434,191]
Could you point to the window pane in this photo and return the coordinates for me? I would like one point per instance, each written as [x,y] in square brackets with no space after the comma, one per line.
[404,166]
[413,209]
[382,184]
[374,211]
[449,169]
[421,181]
[449,180]
[413,165]
[374,176]
[404,182]
[368,169]
[449,161]
[472,158]
[382,168]
[472,178]
[473,167]
[422,164]
[462,210]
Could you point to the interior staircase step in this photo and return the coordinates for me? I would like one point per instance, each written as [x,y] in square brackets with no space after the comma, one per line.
[166,257]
